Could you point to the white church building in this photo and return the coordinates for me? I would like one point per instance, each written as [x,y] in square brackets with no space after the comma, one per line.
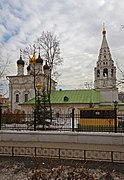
[22,91]
[22,86]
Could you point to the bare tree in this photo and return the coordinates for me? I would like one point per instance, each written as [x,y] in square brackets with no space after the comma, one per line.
[4,62]
[120,81]
[48,44]
[88,85]
[50,48]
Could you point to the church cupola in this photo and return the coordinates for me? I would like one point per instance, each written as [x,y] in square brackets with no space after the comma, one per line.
[104,31]
[36,63]
[46,69]
[39,59]
[20,65]
[39,64]
[105,71]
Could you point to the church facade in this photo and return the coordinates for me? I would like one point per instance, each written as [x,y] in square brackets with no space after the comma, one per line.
[22,87]
[22,90]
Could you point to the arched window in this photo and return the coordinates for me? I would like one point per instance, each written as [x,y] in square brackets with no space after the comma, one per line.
[112,72]
[17,97]
[26,97]
[98,73]
[105,72]
[65,98]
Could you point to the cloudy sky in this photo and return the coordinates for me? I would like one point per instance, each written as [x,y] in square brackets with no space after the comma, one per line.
[77,24]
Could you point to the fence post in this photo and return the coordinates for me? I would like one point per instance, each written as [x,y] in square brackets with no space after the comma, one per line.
[0,115]
[84,155]
[59,154]
[115,115]
[35,152]
[112,156]
[35,119]
[73,119]
[12,151]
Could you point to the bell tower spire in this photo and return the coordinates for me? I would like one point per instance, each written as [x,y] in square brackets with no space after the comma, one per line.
[105,71]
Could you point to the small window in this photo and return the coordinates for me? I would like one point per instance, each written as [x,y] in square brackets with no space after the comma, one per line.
[98,73]
[17,97]
[26,97]
[65,98]
[112,72]
[57,115]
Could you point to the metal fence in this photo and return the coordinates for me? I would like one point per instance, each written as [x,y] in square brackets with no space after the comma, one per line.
[62,122]
[17,122]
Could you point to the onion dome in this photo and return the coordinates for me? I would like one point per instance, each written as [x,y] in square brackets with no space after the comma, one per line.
[39,59]
[33,59]
[28,68]
[46,66]
[20,61]
[104,31]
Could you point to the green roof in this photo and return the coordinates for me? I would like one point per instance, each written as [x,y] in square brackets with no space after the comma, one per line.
[75,96]
[72,96]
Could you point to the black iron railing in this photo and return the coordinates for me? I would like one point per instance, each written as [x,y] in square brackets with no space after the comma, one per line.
[62,122]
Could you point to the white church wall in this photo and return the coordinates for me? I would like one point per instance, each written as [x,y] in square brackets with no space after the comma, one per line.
[108,96]
[59,108]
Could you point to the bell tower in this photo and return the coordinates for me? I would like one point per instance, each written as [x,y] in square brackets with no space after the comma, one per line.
[105,73]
